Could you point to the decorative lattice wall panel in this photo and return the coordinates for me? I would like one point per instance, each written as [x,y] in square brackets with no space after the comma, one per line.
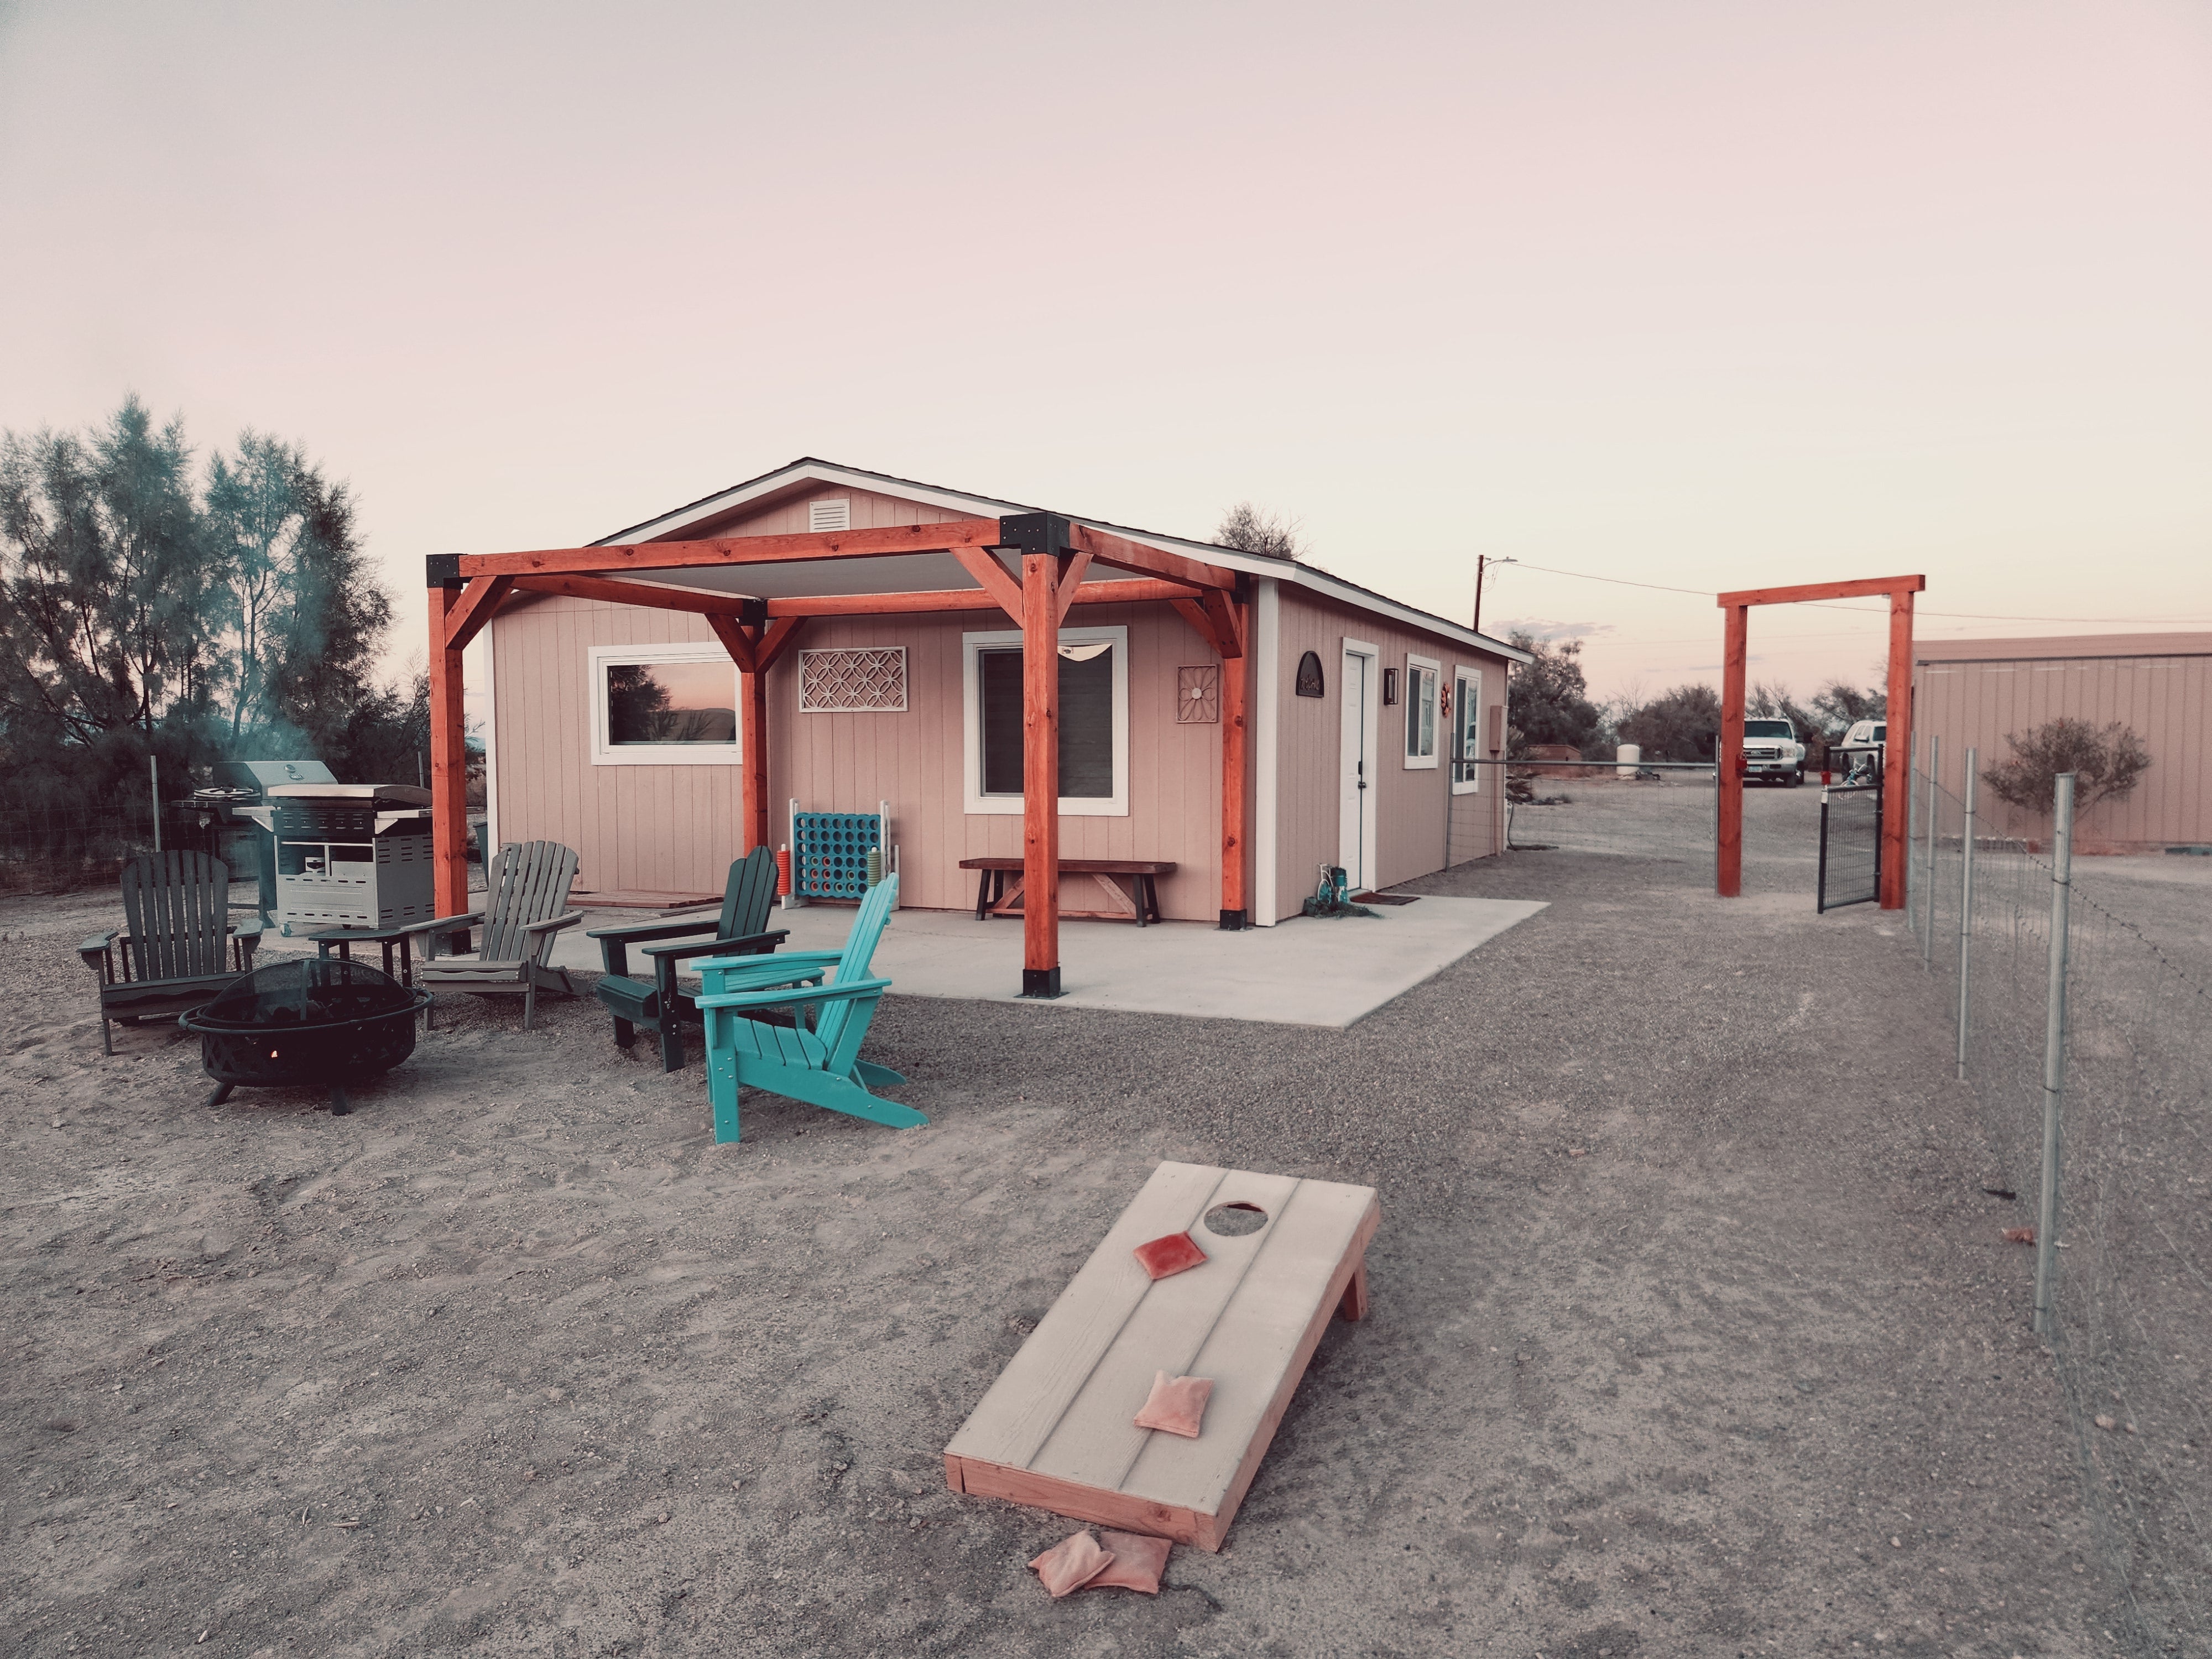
[868,680]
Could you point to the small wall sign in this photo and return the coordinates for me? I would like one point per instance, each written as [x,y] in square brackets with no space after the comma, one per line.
[1309,681]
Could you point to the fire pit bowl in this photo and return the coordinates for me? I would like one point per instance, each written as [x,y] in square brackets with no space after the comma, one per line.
[313,1022]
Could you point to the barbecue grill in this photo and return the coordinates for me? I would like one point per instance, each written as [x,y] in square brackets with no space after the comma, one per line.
[313,1022]
[348,854]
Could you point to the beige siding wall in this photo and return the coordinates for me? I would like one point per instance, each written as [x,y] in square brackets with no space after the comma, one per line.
[650,828]
[2167,700]
[788,517]
[1411,810]
[676,828]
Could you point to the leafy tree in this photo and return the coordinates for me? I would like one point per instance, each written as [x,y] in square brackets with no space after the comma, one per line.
[1252,529]
[1549,701]
[103,649]
[1680,724]
[301,613]
[2106,765]
[148,611]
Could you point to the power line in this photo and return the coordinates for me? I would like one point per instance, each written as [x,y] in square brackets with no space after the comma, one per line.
[1866,610]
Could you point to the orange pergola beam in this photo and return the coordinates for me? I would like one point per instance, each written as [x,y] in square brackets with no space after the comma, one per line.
[881,543]
[1728,852]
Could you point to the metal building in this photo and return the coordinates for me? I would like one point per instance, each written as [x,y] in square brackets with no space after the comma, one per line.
[1981,692]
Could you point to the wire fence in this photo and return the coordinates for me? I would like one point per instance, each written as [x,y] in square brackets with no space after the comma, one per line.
[57,849]
[1653,810]
[2097,1096]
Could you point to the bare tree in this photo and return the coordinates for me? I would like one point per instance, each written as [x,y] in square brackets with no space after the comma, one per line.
[1250,529]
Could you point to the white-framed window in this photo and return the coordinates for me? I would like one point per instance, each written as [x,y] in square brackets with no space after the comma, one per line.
[1421,735]
[663,705]
[1094,721]
[1465,726]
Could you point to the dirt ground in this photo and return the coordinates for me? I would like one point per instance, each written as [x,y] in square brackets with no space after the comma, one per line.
[1680,1346]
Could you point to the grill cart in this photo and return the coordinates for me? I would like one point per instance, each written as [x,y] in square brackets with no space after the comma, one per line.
[348,854]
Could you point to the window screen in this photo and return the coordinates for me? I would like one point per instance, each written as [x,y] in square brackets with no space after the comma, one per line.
[1086,719]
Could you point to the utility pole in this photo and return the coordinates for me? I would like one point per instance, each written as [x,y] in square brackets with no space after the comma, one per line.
[1481,561]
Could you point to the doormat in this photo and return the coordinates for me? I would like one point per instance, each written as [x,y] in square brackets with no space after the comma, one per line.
[1385,898]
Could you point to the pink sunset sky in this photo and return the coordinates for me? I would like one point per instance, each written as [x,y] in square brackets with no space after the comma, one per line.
[1704,296]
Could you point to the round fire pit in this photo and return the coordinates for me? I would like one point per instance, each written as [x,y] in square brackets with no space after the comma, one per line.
[313,1022]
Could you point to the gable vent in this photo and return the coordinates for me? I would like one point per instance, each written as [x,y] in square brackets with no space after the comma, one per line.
[829,515]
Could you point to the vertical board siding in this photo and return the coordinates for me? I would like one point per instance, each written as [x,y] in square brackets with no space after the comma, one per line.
[1411,807]
[652,829]
[676,828]
[2167,700]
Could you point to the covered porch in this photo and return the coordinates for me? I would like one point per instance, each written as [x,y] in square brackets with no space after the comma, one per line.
[757,593]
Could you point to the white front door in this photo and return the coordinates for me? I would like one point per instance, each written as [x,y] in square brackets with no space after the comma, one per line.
[1355,835]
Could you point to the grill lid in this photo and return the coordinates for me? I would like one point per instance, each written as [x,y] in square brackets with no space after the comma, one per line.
[305,991]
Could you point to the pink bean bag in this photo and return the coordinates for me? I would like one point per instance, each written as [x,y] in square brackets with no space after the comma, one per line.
[1071,1564]
[1177,1404]
[1136,1563]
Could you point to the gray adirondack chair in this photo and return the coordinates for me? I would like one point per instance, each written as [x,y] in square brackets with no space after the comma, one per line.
[658,1005]
[525,904]
[177,948]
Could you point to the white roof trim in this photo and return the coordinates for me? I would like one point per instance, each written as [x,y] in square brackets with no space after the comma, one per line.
[984,507]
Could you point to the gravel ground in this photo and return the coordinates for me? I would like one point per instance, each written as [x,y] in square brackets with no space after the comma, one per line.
[1676,1348]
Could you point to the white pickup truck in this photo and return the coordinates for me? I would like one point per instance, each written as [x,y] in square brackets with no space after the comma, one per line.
[1771,751]
[1861,749]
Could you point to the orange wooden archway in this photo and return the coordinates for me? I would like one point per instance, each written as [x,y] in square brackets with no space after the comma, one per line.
[1728,861]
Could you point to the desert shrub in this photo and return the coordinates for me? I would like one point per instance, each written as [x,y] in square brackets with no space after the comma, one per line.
[2106,765]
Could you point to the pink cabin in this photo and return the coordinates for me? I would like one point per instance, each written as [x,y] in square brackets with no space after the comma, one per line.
[838,639]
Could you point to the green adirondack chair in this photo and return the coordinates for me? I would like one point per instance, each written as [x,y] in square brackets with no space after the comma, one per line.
[177,948]
[658,1005]
[822,1066]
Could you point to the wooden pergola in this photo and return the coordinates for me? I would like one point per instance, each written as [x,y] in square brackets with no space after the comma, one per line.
[1032,566]
[1897,755]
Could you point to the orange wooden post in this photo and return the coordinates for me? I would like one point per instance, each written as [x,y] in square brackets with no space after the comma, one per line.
[1041,772]
[752,699]
[1897,756]
[449,756]
[1236,806]
[1728,857]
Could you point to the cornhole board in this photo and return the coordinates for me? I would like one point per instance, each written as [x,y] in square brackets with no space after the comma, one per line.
[1055,1431]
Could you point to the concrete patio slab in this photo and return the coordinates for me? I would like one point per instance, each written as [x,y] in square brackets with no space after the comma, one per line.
[1300,972]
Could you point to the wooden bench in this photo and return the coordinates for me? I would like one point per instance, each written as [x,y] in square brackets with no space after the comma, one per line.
[1055,1431]
[1141,903]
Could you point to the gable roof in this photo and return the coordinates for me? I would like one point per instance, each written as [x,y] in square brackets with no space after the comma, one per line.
[808,469]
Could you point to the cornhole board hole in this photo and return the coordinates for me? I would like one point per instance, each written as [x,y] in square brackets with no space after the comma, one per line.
[1055,1431]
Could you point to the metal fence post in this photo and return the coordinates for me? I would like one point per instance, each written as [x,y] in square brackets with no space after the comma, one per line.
[1965,912]
[1928,855]
[2054,1052]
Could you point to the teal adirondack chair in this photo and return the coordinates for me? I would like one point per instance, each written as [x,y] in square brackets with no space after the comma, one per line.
[822,1066]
